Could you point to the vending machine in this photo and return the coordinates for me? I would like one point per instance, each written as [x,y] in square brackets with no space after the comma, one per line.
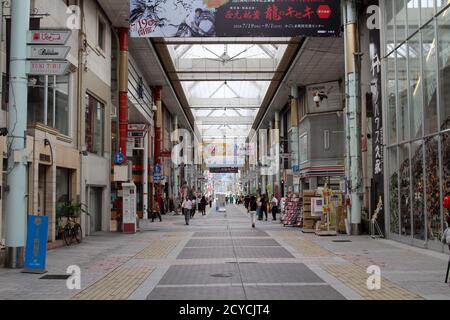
[129,208]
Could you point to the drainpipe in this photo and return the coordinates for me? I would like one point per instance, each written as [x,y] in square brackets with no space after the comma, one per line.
[123,91]
[294,129]
[16,200]
[158,126]
[277,187]
[353,114]
[145,173]
[80,110]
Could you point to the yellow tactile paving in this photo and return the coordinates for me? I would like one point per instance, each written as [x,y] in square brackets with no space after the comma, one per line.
[117,285]
[284,234]
[356,277]
[308,248]
[157,249]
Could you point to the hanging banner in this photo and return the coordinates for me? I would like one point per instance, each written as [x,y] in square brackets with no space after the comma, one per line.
[234,18]
[377,120]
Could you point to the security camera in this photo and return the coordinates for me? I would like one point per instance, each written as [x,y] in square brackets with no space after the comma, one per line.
[154,108]
[318,98]
[32,82]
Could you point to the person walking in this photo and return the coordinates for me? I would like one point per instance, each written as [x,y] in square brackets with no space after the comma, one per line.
[274,202]
[259,207]
[156,210]
[203,205]
[193,205]
[251,209]
[187,208]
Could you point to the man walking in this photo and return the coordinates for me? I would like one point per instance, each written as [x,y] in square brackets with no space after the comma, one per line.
[187,208]
[274,207]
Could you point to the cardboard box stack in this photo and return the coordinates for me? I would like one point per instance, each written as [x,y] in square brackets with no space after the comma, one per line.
[309,221]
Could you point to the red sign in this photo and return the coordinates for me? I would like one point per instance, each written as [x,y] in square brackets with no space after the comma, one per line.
[324,11]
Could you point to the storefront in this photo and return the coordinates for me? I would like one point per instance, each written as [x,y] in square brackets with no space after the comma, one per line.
[416,70]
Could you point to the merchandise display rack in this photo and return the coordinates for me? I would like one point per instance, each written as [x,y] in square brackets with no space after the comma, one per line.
[291,215]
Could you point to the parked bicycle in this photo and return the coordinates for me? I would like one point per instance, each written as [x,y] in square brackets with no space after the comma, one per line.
[72,231]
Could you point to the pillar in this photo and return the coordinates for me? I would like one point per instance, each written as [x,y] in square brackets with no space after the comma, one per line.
[294,131]
[353,115]
[16,201]
[176,167]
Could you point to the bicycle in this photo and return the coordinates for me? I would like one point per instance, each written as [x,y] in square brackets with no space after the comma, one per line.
[72,230]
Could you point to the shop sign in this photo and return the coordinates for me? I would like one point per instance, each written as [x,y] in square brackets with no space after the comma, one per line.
[251,18]
[47,52]
[36,248]
[48,36]
[377,119]
[224,170]
[47,67]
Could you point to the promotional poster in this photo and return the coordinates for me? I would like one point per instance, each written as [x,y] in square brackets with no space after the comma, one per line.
[234,18]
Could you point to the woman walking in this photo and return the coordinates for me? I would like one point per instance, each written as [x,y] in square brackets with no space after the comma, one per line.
[259,207]
[251,209]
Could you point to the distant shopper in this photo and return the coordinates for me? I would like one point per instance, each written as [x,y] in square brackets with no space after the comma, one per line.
[203,206]
[274,202]
[264,206]
[156,210]
[251,208]
[446,236]
[259,207]
[187,207]
[194,206]
[446,240]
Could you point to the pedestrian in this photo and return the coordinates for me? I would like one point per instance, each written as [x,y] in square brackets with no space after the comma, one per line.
[193,205]
[259,207]
[187,207]
[156,210]
[264,206]
[251,209]
[446,240]
[274,207]
[203,206]
[210,202]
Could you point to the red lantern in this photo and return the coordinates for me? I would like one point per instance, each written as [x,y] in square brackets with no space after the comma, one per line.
[447,202]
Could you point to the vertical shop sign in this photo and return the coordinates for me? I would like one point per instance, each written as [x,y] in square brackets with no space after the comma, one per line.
[377,116]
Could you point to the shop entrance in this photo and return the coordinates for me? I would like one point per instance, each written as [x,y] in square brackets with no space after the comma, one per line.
[42,190]
[95,208]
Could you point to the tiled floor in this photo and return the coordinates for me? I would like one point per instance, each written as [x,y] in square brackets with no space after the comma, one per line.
[220,256]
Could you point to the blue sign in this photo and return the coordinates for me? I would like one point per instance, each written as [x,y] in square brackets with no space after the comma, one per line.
[119,158]
[296,168]
[157,169]
[36,249]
